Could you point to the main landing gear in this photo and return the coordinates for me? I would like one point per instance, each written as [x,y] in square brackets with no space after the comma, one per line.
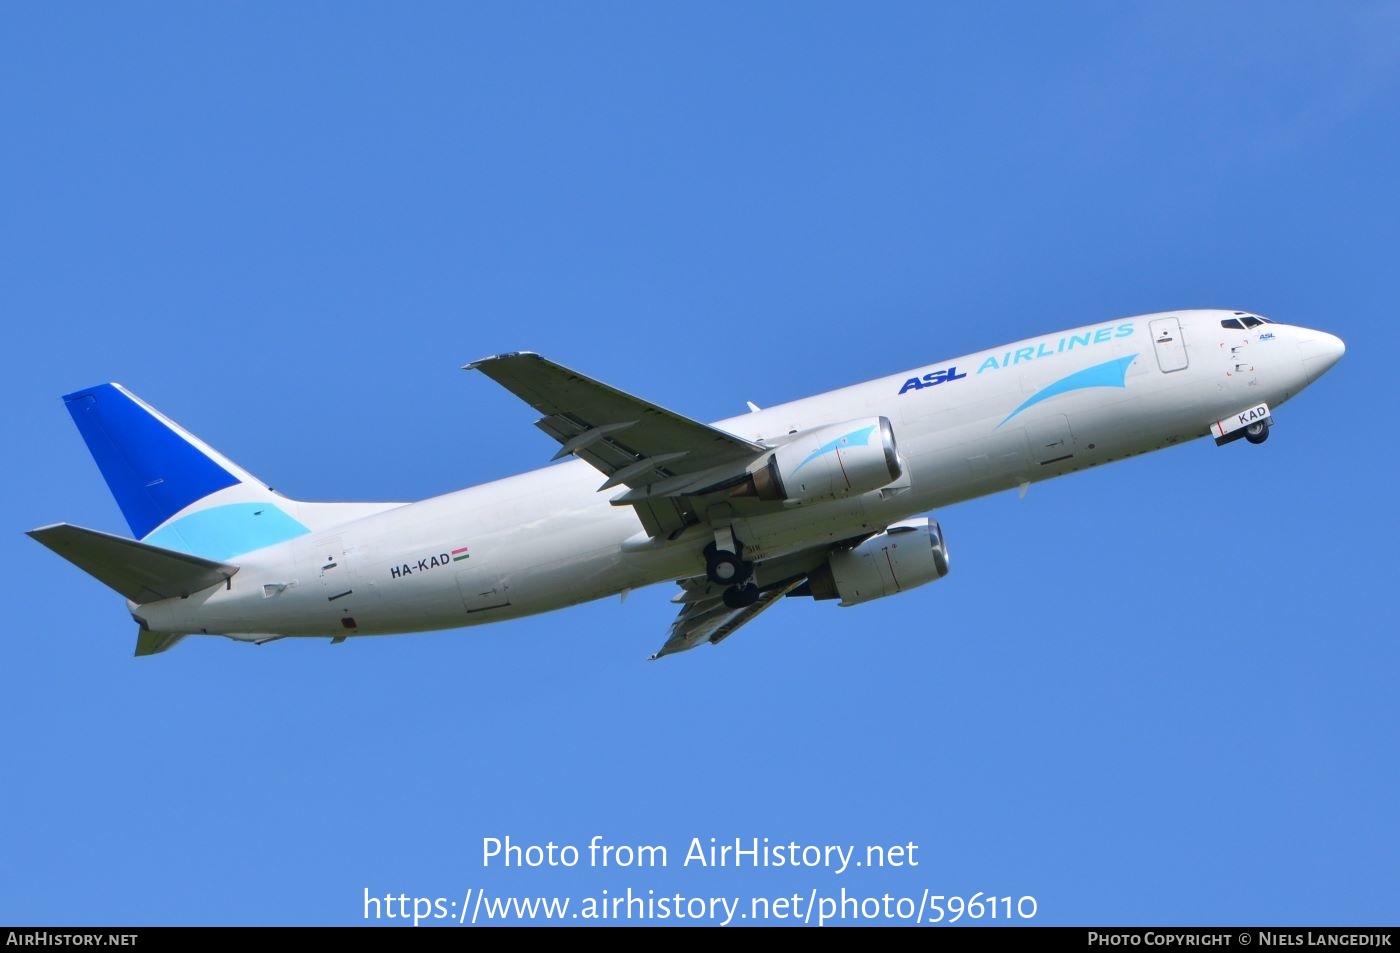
[725,566]
[1257,432]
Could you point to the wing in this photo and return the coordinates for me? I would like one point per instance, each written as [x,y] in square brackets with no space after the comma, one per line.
[659,455]
[708,619]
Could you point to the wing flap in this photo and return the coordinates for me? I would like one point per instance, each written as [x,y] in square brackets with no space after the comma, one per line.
[139,571]
[705,617]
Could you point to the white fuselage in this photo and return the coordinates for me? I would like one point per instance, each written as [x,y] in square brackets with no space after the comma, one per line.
[965,427]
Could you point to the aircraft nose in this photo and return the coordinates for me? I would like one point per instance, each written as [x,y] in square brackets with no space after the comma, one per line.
[1319,351]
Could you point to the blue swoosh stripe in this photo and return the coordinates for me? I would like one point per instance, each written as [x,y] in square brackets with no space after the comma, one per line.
[857,438]
[1108,374]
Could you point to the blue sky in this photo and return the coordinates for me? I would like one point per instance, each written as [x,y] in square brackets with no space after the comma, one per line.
[1157,692]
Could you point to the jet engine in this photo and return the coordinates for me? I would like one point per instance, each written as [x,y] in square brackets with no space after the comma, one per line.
[827,463]
[908,554]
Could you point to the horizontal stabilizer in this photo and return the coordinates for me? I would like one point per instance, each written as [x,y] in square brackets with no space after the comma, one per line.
[141,572]
[151,643]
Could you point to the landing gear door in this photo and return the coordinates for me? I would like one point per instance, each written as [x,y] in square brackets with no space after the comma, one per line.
[1171,349]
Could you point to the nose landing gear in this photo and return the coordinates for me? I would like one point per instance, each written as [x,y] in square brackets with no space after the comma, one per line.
[1252,424]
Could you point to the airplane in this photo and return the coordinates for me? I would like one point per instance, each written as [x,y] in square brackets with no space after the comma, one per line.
[820,497]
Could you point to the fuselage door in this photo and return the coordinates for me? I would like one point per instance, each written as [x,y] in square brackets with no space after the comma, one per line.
[326,559]
[1171,349]
[1050,440]
[480,588]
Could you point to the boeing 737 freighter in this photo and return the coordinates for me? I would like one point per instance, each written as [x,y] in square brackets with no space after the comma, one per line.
[818,497]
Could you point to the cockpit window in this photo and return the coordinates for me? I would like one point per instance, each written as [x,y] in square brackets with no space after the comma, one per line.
[1249,321]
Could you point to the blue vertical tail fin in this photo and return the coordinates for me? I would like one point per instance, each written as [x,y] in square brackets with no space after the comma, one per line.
[178,493]
[154,468]
[174,490]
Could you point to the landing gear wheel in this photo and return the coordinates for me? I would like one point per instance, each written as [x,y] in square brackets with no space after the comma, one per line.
[1257,433]
[741,597]
[723,567]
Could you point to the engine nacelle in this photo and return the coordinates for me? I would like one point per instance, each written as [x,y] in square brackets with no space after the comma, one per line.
[908,554]
[828,463]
